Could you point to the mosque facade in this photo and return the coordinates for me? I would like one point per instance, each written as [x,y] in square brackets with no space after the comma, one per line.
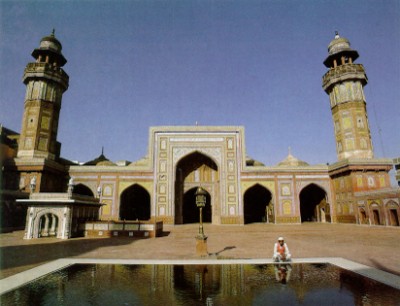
[161,186]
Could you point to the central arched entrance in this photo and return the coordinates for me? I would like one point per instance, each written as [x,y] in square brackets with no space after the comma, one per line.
[135,204]
[192,171]
[313,205]
[258,205]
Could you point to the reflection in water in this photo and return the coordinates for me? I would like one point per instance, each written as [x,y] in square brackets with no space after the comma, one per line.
[282,273]
[295,284]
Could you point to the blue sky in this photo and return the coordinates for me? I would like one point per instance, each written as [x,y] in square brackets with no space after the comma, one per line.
[136,64]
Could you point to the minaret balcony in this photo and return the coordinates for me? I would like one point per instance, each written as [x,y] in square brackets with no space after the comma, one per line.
[344,73]
[47,71]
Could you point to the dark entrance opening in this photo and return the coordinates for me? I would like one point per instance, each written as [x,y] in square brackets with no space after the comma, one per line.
[83,190]
[257,207]
[48,225]
[313,206]
[192,171]
[394,218]
[135,204]
[363,216]
[375,213]
[191,214]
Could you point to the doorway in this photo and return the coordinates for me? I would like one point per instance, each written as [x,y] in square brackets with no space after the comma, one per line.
[134,204]
[192,171]
[258,205]
[313,204]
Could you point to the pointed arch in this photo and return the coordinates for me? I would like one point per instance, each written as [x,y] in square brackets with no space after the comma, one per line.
[193,161]
[194,170]
[313,204]
[82,189]
[134,203]
[393,212]
[362,216]
[53,226]
[258,205]
[376,216]
[317,185]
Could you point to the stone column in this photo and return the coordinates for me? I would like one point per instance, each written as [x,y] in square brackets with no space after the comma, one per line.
[45,229]
[66,224]
[29,224]
[53,225]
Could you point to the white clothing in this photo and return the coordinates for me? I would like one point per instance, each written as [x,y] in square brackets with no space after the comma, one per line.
[277,256]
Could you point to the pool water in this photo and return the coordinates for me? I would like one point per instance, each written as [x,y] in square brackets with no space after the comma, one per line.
[225,284]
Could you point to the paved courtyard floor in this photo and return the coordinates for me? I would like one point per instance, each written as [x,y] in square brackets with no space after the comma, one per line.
[377,246]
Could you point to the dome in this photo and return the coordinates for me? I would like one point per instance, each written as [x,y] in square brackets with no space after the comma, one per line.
[100,161]
[252,162]
[50,43]
[144,161]
[291,161]
[105,163]
[50,46]
[338,44]
[337,47]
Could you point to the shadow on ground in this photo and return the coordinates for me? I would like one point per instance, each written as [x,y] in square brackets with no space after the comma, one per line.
[379,266]
[30,255]
[224,249]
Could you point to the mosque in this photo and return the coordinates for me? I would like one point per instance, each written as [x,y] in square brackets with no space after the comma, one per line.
[45,191]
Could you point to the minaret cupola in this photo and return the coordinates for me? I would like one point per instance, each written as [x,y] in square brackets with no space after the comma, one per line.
[340,52]
[49,51]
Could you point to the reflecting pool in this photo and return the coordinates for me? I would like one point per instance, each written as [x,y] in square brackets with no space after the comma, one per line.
[225,284]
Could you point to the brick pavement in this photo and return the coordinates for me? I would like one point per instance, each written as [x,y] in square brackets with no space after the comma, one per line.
[377,246]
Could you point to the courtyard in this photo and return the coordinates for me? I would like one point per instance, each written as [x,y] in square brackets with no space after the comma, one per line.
[374,246]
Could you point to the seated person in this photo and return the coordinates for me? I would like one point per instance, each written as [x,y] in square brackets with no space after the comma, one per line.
[281,251]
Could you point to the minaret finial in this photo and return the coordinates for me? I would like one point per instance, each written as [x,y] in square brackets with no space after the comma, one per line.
[290,150]
[53,32]
[336,35]
[102,150]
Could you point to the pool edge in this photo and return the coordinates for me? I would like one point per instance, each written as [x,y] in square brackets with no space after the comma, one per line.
[20,279]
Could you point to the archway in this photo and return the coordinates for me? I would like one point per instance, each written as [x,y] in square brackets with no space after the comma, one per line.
[363,216]
[375,214]
[190,210]
[393,217]
[192,171]
[48,225]
[392,209]
[83,190]
[313,205]
[134,204]
[257,205]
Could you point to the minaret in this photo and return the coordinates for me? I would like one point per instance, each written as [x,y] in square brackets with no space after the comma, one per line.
[344,84]
[45,82]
